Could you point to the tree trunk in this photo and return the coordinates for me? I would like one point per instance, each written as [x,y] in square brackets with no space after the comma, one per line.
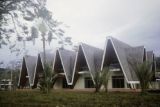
[44,48]
[106,89]
[106,86]
[97,88]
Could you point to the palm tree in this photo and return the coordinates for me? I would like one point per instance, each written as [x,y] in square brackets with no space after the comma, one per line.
[105,78]
[101,78]
[47,80]
[98,80]
[144,74]
[43,29]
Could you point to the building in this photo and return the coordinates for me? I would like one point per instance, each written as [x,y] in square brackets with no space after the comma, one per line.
[121,59]
[6,84]
[76,70]
[27,70]
[39,67]
[88,62]
[63,66]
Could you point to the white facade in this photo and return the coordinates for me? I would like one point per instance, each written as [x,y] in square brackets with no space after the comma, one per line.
[80,83]
[58,84]
[116,73]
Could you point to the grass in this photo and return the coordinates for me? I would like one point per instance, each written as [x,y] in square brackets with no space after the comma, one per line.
[78,99]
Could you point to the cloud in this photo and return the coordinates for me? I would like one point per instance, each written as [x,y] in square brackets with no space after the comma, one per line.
[135,22]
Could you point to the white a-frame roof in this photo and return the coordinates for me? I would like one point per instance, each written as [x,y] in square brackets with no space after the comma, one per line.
[49,58]
[66,59]
[125,54]
[27,70]
[40,65]
[92,57]
[150,59]
[150,56]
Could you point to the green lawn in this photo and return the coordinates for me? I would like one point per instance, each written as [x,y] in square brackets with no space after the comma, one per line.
[77,99]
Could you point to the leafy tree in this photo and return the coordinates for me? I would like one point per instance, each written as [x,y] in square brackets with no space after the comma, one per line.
[20,14]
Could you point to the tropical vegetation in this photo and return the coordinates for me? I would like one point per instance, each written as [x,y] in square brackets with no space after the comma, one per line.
[101,78]
[144,74]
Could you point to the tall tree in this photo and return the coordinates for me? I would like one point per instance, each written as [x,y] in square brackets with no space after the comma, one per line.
[16,17]
[47,80]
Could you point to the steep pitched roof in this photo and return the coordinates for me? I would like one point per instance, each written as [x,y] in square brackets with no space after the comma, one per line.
[67,59]
[135,55]
[40,65]
[150,56]
[150,59]
[125,53]
[30,63]
[23,73]
[93,57]
[49,58]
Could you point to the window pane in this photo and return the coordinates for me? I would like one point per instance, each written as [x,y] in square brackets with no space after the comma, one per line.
[89,83]
[117,82]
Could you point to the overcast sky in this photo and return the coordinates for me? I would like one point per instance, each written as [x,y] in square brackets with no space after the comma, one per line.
[136,22]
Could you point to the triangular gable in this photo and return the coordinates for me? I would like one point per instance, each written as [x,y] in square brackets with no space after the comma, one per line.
[23,73]
[92,56]
[31,65]
[27,70]
[122,55]
[119,48]
[40,65]
[109,55]
[67,59]
[38,71]
[80,61]
[58,65]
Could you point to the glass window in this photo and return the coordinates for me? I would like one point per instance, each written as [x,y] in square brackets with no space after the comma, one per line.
[89,83]
[117,81]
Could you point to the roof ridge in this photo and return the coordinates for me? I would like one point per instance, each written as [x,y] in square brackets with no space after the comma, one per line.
[90,46]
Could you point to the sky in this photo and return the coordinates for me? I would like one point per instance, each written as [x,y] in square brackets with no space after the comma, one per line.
[136,22]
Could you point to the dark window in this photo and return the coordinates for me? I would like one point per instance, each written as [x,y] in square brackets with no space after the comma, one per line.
[128,86]
[89,83]
[65,85]
[117,81]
